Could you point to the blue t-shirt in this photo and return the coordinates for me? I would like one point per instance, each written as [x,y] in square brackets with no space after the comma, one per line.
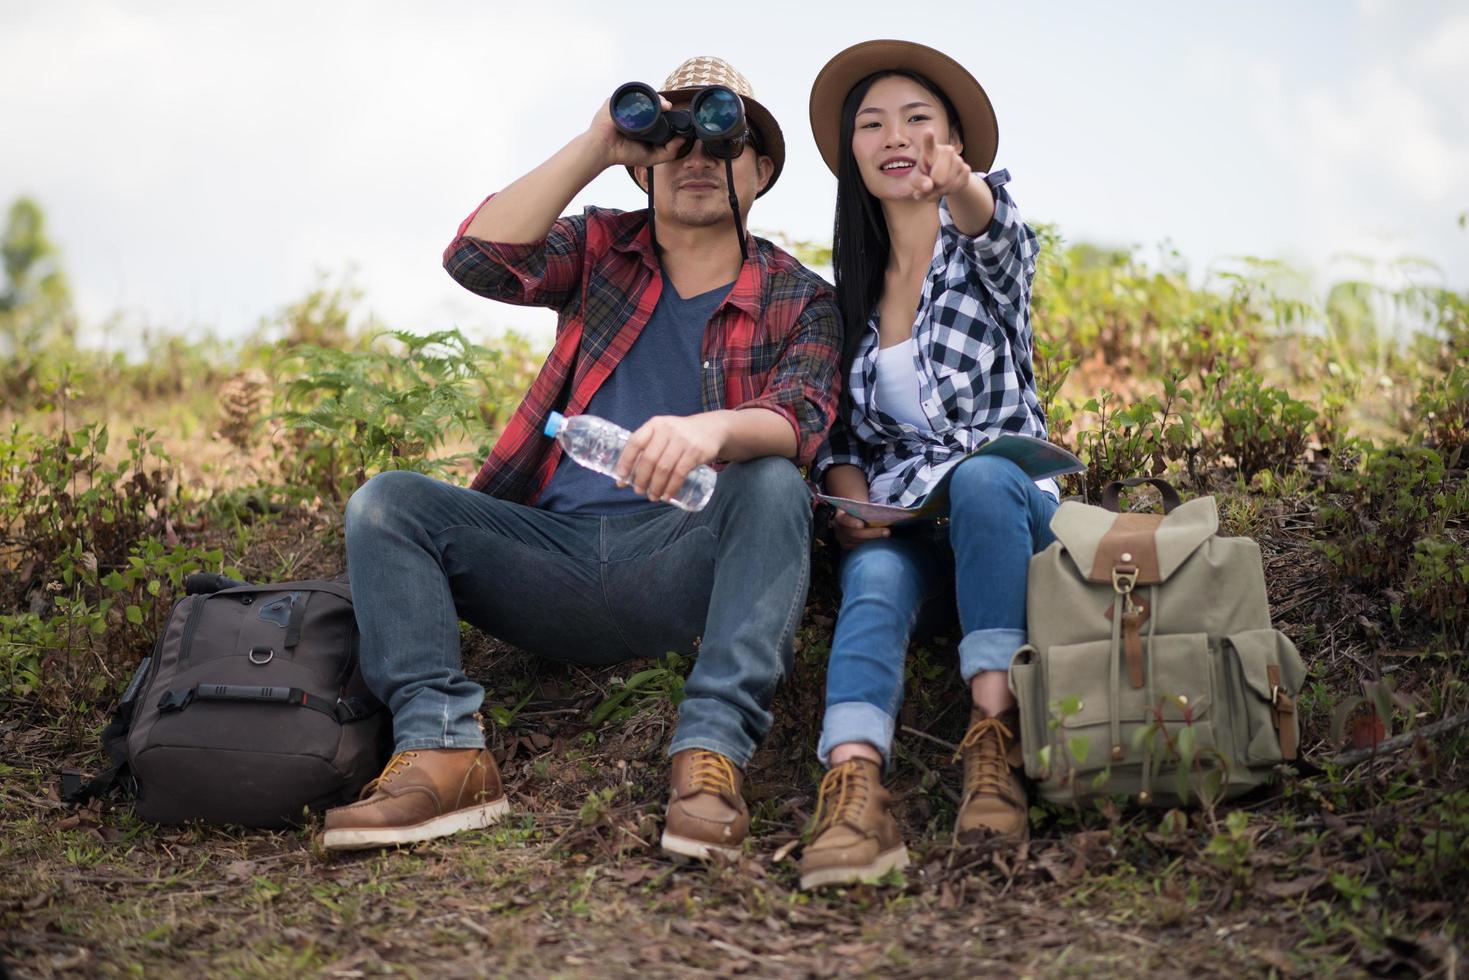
[659,375]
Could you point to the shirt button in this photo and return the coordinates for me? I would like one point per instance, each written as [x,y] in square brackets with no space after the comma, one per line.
[706,365]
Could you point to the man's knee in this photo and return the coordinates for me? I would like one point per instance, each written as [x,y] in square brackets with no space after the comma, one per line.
[382,501]
[769,481]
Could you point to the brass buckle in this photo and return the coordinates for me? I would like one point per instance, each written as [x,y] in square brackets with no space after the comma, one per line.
[1124,578]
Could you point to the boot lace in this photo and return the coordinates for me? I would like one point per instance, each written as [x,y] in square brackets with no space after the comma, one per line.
[986,767]
[712,772]
[843,794]
[395,766]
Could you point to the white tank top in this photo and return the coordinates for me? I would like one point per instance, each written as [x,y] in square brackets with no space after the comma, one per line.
[897,385]
[897,394]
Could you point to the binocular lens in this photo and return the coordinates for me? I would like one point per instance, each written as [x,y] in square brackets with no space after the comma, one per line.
[634,111]
[718,113]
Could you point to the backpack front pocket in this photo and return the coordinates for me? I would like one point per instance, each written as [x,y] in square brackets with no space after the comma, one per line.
[1263,674]
[1099,719]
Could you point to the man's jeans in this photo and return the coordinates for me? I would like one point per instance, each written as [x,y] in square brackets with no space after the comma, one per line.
[998,518]
[422,555]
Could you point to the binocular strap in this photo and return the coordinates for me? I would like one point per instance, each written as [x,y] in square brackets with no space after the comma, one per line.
[734,206]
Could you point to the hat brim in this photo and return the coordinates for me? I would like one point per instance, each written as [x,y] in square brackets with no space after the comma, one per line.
[771,138]
[981,130]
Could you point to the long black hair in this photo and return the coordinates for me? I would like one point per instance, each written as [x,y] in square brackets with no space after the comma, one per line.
[859,238]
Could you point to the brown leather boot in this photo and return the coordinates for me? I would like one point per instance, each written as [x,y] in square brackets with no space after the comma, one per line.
[856,838]
[994,804]
[706,814]
[420,795]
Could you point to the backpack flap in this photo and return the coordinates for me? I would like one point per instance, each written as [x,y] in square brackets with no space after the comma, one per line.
[1099,540]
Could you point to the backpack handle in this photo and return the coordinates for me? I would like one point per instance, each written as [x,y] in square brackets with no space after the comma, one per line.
[1114,489]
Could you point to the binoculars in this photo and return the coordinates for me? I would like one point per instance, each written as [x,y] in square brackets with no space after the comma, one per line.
[715,117]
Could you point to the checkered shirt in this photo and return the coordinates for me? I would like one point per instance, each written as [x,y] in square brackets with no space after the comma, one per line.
[973,359]
[774,341]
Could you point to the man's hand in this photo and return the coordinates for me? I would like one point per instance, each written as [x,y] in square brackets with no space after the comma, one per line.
[941,171]
[618,150]
[852,531]
[662,452]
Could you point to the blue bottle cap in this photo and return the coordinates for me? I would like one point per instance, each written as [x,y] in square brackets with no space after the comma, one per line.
[554,422]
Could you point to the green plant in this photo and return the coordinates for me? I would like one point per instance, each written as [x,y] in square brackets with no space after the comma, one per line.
[1144,437]
[1261,427]
[663,682]
[1397,523]
[1233,848]
[390,405]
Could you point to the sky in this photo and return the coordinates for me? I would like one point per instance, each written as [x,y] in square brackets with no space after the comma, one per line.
[204,164]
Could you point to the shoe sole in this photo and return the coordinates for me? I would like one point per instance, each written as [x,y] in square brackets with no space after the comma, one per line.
[869,874]
[687,847]
[362,838]
[979,836]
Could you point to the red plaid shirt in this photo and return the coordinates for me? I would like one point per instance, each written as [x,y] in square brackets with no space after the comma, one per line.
[774,342]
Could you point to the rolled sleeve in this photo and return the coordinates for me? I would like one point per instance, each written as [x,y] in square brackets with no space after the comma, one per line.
[1001,257]
[803,386]
[838,449]
[544,273]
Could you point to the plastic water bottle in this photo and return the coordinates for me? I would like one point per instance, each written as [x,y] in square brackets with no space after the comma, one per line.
[597,444]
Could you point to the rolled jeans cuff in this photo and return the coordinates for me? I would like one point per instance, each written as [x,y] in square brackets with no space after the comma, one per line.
[735,754]
[856,721]
[475,741]
[988,650]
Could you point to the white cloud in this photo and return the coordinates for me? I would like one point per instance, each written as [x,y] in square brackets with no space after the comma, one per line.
[200,162]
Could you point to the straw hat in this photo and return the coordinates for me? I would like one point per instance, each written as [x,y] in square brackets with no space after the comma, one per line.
[976,116]
[703,71]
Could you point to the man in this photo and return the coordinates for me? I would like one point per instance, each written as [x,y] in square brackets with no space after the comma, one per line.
[707,356]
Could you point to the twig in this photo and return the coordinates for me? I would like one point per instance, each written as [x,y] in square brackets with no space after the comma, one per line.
[920,764]
[475,927]
[1399,742]
[937,741]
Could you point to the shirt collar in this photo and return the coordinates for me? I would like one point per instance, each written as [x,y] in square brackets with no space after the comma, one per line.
[748,288]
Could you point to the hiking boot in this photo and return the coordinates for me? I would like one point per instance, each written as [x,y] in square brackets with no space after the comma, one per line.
[856,838]
[422,794]
[706,814]
[994,805]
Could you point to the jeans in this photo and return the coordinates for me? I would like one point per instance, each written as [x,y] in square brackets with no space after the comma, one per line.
[998,518]
[422,555]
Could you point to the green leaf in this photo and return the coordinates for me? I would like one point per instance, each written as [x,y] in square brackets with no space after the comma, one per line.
[1187,742]
[134,615]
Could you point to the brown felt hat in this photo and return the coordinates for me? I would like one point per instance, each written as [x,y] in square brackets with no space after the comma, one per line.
[703,71]
[976,116]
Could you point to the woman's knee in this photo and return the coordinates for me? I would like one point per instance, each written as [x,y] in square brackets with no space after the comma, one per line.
[877,567]
[987,488]
[988,477]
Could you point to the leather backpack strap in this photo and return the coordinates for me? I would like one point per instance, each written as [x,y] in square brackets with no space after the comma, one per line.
[1114,489]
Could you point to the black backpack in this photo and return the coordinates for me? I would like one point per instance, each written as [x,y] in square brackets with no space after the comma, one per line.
[251,709]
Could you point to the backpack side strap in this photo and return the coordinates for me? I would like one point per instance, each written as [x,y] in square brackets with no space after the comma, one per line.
[342,711]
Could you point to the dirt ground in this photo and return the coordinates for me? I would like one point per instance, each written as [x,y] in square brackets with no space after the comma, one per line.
[1341,871]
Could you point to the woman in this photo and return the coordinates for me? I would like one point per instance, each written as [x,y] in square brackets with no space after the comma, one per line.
[933,272]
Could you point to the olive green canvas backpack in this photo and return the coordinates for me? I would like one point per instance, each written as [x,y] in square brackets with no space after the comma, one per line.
[1151,668]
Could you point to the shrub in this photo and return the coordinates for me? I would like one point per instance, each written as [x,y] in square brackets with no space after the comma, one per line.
[1261,427]
[390,406]
[1142,438]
